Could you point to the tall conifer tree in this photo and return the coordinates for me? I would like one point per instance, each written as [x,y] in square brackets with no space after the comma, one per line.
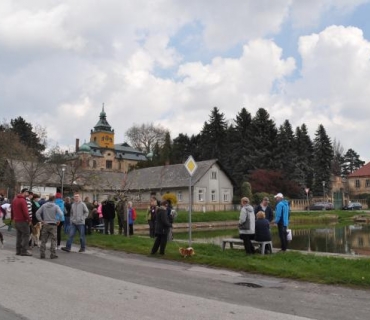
[305,154]
[323,157]
[263,140]
[214,137]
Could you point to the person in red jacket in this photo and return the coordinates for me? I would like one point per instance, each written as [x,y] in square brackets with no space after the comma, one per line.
[22,220]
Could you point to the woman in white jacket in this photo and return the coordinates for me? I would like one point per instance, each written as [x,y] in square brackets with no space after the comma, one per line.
[247,225]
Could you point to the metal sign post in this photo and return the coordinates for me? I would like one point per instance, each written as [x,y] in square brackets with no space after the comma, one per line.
[191,166]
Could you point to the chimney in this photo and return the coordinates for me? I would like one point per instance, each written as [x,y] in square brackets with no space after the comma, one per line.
[77,144]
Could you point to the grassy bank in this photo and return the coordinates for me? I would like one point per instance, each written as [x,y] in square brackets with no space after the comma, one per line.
[292,265]
[304,216]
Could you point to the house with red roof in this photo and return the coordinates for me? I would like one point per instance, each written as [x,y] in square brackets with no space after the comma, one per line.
[359,181]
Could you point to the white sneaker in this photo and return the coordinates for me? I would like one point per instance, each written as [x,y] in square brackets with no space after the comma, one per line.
[57,248]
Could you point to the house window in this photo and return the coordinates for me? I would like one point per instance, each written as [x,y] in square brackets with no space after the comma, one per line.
[95,139]
[108,164]
[201,195]
[213,195]
[226,196]
[213,175]
[357,183]
[367,183]
[94,163]
[179,196]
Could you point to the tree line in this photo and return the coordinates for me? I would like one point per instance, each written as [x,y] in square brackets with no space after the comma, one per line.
[252,148]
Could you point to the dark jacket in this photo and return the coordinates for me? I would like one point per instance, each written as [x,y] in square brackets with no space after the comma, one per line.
[35,207]
[108,210]
[162,223]
[262,231]
[90,207]
[67,209]
[269,214]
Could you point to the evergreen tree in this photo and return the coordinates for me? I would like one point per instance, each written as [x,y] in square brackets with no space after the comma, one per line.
[166,150]
[263,140]
[323,157]
[305,154]
[351,162]
[181,148]
[27,136]
[214,136]
[285,155]
[240,146]
[195,147]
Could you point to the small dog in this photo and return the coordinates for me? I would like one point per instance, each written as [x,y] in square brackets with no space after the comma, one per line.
[1,240]
[187,252]
[35,235]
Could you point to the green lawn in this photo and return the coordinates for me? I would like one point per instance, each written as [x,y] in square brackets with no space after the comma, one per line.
[292,265]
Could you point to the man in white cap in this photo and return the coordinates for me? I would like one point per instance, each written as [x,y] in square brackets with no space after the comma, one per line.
[282,219]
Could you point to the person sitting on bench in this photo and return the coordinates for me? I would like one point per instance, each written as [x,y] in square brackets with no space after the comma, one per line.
[262,229]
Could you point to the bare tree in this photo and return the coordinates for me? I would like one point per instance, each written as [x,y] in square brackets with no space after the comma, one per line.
[144,137]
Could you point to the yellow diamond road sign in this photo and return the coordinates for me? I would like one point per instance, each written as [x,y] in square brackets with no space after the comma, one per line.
[191,165]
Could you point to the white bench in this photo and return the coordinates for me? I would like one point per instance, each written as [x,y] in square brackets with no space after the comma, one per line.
[98,228]
[260,244]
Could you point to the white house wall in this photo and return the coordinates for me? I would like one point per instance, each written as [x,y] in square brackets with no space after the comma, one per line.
[207,183]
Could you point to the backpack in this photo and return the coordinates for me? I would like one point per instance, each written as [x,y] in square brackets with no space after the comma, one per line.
[133,214]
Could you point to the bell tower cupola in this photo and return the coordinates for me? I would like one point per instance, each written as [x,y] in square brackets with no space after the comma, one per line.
[103,134]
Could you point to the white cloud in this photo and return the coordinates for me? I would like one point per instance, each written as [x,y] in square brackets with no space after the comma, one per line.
[227,24]
[61,60]
[23,28]
[334,88]
[309,13]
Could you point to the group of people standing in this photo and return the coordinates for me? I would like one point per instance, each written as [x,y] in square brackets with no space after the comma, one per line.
[254,223]
[27,211]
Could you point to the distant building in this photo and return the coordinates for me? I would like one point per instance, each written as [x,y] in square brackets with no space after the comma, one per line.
[101,153]
[212,188]
[359,181]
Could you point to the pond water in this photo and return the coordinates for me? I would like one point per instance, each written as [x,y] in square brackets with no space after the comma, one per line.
[351,239]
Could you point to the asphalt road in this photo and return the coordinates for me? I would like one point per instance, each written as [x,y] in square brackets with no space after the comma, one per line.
[101,284]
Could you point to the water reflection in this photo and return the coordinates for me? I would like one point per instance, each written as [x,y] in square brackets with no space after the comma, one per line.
[351,239]
[346,239]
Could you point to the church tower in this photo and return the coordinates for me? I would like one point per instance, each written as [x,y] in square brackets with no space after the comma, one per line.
[103,134]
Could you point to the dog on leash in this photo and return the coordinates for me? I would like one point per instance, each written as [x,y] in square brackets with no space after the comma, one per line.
[35,234]
[187,252]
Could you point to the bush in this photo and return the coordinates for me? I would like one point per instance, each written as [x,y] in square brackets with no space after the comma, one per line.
[246,190]
[170,197]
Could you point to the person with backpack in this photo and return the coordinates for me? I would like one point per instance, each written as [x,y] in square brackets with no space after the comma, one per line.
[162,226]
[247,225]
[121,210]
[109,213]
[282,220]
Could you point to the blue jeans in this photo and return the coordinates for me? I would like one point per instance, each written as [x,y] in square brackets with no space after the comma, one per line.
[72,231]
[67,224]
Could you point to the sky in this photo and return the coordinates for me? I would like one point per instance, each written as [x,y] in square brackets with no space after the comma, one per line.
[169,62]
